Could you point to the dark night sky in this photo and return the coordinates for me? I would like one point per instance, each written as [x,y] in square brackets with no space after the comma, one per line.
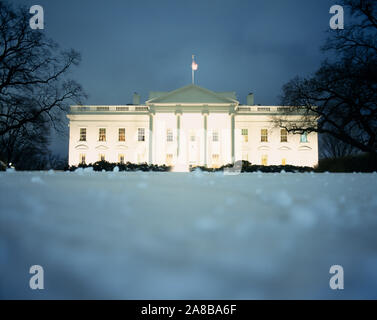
[243,46]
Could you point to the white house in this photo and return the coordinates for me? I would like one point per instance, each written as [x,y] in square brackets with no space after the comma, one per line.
[190,126]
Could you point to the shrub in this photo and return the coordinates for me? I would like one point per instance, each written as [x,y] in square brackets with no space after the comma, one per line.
[3,166]
[365,162]
[248,167]
[109,166]
[356,163]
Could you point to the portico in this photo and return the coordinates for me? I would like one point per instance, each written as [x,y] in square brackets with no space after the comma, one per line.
[196,116]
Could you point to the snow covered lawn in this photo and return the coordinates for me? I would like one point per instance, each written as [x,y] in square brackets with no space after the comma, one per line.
[187,235]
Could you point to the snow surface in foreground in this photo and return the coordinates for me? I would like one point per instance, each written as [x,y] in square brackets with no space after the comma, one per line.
[187,235]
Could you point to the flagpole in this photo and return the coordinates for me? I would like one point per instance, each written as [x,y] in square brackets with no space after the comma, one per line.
[194,67]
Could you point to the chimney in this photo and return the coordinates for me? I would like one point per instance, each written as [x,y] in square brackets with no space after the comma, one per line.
[250,99]
[136,99]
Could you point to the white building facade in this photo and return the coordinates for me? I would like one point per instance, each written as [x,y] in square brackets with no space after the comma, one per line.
[190,126]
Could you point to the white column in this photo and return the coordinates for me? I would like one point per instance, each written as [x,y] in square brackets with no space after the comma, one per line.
[232,129]
[178,133]
[150,153]
[205,138]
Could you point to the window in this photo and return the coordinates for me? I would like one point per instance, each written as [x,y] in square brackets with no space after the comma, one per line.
[82,158]
[283,135]
[264,160]
[169,135]
[215,136]
[82,134]
[192,136]
[264,135]
[245,135]
[304,137]
[121,158]
[141,134]
[215,160]
[101,157]
[122,134]
[169,159]
[283,162]
[102,134]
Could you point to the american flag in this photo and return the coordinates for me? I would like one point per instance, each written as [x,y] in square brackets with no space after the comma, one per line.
[194,65]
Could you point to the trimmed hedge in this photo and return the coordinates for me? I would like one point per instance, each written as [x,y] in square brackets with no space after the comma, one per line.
[109,166]
[248,167]
[365,162]
[357,163]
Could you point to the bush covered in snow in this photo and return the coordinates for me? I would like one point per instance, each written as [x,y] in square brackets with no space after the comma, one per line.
[354,163]
[248,167]
[109,166]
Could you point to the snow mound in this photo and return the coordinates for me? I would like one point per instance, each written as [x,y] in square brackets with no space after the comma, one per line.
[196,235]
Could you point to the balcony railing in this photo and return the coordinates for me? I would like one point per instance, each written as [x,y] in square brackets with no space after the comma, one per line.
[267,109]
[144,109]
[129,108]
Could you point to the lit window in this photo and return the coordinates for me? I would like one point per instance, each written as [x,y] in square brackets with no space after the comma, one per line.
[82,134]
[245,135]
[283,162]
[215,136]
[169,135]
[304,137]
[121,158]
[264,160]
[82,158]
[264,135]
[101,157]
[122,134]
[141,134]
[169,159]
[102,134]
[283,135]
[215,160]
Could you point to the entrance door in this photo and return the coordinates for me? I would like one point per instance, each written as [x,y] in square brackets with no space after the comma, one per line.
[193,149]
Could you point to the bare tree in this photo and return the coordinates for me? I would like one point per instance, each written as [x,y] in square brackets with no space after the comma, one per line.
[35,88]
[57,162]
[330,147]
[25,146]
[340,99]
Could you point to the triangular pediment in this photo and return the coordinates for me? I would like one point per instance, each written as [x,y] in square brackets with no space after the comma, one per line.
[192,94]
